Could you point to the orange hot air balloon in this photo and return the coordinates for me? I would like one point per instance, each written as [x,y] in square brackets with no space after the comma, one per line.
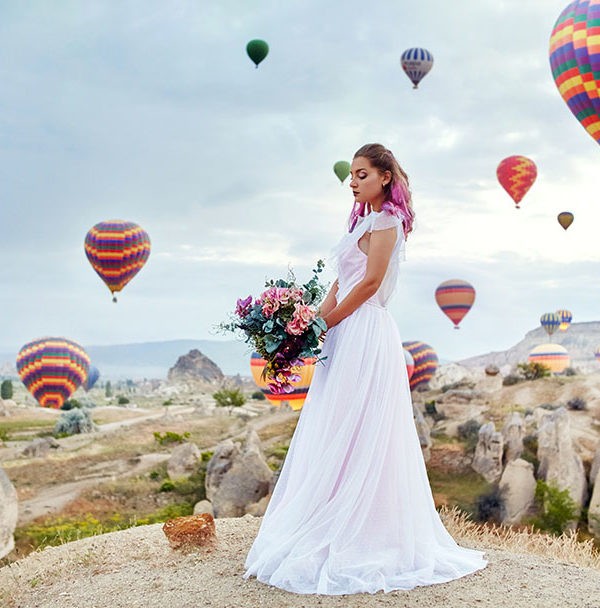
[516,175]
[565,219]
[455,297]
[553,356]
[298,395]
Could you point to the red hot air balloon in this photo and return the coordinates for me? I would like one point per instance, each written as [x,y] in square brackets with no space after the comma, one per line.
[516,175]
[52,369]
[455,297]
[117,251]
[410,363]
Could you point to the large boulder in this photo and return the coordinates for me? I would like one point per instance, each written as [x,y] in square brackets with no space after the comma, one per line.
[487,460]
[423,431]
[195,367]
[560,464]
[237,476]
[9,512]
[40,447]
[594,509]
[517,488]
[595,467]
[183,461]
[513,433]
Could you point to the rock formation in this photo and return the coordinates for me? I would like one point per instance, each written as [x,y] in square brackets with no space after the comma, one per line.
[594,509]
[595,467]
[195,367]
[237,476]
[9,513]
[39,447]
[517,487]
[488,452]
[183,461]
[559,462]
[513,433]
[191,531]
[423,431]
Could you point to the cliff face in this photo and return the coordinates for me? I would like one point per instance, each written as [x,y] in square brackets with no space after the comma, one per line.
[195,367]
[580,339]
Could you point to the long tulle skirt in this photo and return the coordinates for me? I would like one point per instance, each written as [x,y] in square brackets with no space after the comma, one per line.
[352,510]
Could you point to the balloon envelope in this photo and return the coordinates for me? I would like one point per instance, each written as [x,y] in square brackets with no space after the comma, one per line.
[410,363]
[565,219]
[553,356]
[92,378]
[455,297]
[575,62]
[117,251]
[342,169]
[550,321]
[516,175]
[416,63]
[257,50]
[52,369]
[565,316]
[426,362]
[298,395]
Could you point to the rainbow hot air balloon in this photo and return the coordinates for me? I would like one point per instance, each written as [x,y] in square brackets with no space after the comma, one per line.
[565,316]
[553,356]
[455,297]
[342,170]
[257,50]
[410,363]
[516,175]
[298,395]
[565,219]
[416,64]
[575,61]
[426,362]
[92,378]
[52,369]
[117,251]
[550,321]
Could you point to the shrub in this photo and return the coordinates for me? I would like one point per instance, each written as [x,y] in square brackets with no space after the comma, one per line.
[170,437]
[532,370]
[511,379]
[570,371]
[229,397]
[122,400]
[167,486]
[490,506]
[556,508]
[71,404]
[469,433]
[3,435]
[168,402]
[577,403]
[431,410]
[73,422]
[6,389]
[258,395]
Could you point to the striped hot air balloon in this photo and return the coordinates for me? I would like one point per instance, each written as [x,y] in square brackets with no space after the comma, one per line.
[553,356]
[565,316]
[516,175]
[426,362]
[410,363]
[455,297]
[52,369]
[117,251]
[416,64]
[92,378]
[298,395]
[550,321]
[575,61]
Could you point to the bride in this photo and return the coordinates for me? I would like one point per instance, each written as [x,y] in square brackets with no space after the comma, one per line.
[352,510]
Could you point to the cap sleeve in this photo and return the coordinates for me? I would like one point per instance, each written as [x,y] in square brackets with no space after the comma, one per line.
[383,221]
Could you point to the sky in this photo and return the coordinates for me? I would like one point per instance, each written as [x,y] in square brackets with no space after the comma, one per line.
[151,111]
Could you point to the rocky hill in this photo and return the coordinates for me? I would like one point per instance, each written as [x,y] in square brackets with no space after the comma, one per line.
[195,367]
[580,340]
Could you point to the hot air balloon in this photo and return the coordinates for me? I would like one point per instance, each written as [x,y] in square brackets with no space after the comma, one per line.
[426,362]
[597,354]
[410,363]
[455,297]
[298,395]
[117,251]
[575,62]
[550,321]
[92,378]
[565,316]
[516,175]
[342,169]
[553,356]
[257,50]
[52,369]
[416,63]
[565,219]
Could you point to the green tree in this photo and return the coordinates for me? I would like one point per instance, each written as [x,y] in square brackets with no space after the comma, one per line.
[6,389]
[533,370]
[556,507]
[108,392]
[229,397]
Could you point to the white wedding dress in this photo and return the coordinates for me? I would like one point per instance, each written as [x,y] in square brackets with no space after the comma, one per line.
[352,510]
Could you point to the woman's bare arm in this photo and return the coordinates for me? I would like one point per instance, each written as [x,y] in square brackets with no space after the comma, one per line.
[330,301]
[381,246]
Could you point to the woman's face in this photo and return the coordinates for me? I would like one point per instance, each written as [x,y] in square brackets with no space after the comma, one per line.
[366,181]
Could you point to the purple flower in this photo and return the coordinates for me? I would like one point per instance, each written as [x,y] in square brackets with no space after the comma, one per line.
[242,308]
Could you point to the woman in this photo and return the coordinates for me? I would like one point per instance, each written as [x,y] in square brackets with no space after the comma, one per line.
[352,510]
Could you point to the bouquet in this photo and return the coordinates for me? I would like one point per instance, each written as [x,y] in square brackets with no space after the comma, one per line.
[283,327]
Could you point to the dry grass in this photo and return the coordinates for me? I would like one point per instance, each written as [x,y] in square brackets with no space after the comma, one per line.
[563,548]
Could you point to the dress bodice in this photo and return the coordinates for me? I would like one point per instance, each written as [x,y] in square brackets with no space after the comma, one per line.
[352,261]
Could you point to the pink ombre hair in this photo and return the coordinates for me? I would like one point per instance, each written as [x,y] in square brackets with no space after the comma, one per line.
[398,200]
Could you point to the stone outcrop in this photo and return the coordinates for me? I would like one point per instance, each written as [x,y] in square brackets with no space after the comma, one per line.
[513,433]
[595,467]
[423,431]
[183,461]
[40,447]
[517,488]
[594,509]
[237,476]
[487,460]
[191,531]
[9,513]
[560,464]
[204,506]
[195,367]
